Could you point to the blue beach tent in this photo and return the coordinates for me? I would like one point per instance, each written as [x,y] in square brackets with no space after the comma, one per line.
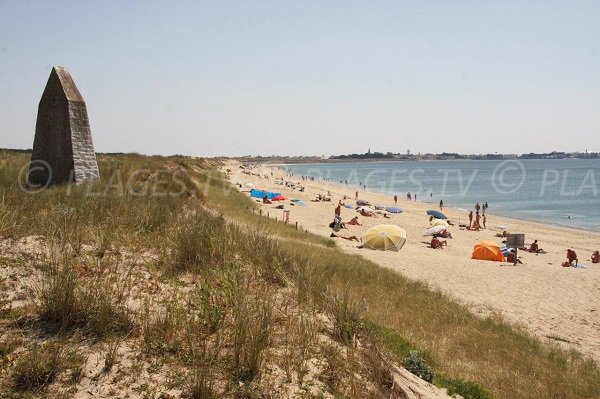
[261,194]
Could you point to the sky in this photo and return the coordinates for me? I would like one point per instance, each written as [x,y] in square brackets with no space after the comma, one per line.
[232,78]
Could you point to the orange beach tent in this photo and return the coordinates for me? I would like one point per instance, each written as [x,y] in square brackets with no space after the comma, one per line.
[487,250]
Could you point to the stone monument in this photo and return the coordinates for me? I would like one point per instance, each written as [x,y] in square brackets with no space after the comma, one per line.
[62,149]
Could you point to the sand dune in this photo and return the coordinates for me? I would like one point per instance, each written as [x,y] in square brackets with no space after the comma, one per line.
[558,304]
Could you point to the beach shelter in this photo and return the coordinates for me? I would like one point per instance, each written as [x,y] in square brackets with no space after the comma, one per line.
[393,209]
[278,198]
[436,214]
[433,230]
[384,237]
[487,250]
[261,194]
[439,222]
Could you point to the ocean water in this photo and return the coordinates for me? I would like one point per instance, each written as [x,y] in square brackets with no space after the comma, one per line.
[565,192]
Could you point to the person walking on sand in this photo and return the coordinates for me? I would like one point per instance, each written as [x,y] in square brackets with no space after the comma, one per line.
[441,205]
[483,220]
[470,218]
[477,207]
[415,197]
[356,195]
[395,200]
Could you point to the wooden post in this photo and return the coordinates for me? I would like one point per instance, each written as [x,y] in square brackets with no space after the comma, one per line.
[261,212]
[296,225]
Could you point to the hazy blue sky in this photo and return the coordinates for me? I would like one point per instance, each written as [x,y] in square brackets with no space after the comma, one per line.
[303,77]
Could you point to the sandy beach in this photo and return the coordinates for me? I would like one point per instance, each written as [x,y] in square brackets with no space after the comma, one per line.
[558,304]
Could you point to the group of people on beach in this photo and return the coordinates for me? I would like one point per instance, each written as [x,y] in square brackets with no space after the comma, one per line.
[480,219]
[477,221]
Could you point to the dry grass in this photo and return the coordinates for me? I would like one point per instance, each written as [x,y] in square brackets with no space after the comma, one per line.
[220,327]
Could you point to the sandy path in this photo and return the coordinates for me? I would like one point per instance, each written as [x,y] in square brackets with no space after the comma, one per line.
[555,303]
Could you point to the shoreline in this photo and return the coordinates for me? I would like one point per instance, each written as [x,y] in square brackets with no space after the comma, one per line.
[559,305]
[456,209]
[435,205]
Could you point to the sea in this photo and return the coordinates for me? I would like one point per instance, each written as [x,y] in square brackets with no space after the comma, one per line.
[563,192]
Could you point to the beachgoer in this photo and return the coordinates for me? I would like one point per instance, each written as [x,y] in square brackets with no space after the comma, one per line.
[441,205]
[395,200]
[596,257]
[437,243]
[415,197]
[356,195]
[572,257]
[483,220]
[470,218]
[367,214]
[354,221]
[349,238]
[443,234]
[338,210]
[477,207]
[266,200]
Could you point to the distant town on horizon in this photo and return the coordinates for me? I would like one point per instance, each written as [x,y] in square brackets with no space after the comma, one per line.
[408,156]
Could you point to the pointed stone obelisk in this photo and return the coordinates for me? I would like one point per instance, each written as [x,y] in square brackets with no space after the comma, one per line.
[63,151]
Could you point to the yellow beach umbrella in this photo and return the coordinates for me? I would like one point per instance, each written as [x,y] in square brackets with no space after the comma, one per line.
[439,222]
[384,237]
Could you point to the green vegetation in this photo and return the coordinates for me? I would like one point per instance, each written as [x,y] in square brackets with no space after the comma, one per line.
[179,266]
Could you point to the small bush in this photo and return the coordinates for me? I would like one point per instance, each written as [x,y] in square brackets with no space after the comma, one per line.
[466,389]
[38,367]
[417,365]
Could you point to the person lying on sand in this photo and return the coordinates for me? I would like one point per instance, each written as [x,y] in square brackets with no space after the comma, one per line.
[437,243]
[354,221]
[266,200]
[443,234]
[596,257]
[350,238]
[504,234]
[385,215]
[367,214]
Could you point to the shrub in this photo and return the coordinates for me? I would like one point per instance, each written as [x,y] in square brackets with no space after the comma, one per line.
[466,389]
[38,367]
[417,365]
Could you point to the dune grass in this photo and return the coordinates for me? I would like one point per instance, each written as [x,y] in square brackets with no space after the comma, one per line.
[462,347]
[208,228]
